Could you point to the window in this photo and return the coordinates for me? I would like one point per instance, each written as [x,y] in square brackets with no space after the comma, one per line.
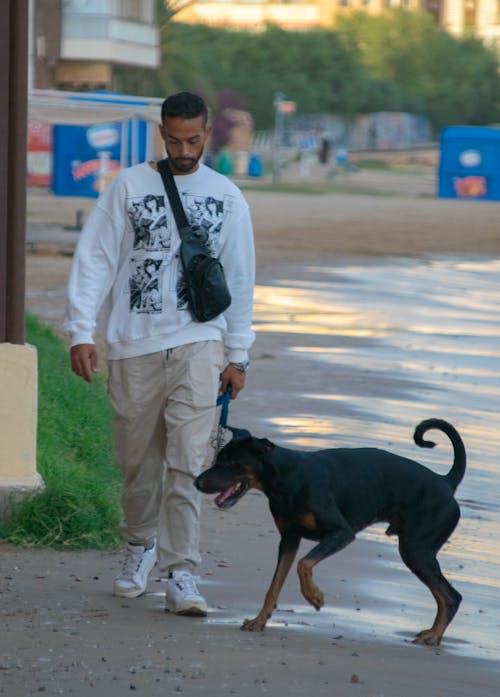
[137,10]
[470,11]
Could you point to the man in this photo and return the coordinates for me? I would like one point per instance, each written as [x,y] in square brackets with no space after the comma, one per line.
[165,369]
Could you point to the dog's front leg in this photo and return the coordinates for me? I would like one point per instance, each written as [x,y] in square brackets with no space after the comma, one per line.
[289,545]
[331,543]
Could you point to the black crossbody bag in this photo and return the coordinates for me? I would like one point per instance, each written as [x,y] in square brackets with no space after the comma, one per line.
[206,287]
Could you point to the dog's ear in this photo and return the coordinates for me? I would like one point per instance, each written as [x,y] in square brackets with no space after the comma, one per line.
[264,445]
[239,433]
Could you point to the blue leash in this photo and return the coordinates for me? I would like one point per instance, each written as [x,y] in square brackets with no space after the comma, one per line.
[223,400]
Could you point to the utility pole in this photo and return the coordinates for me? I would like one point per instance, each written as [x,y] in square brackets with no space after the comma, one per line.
[13,131]
[282,108]
[277,136]
[18,361]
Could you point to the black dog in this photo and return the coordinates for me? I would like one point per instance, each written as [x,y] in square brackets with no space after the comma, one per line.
[329,495]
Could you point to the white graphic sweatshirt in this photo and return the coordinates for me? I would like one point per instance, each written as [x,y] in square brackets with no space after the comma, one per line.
[127,268]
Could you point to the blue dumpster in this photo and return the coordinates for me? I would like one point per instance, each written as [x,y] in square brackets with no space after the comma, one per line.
[469,164]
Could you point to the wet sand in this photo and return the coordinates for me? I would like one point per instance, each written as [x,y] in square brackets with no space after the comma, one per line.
[362,331]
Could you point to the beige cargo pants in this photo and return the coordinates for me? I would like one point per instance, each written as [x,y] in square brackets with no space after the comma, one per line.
[164,412]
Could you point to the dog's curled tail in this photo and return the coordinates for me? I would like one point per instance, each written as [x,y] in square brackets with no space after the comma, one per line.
[455,475]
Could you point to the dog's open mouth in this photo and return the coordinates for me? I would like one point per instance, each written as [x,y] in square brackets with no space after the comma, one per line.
[228,498]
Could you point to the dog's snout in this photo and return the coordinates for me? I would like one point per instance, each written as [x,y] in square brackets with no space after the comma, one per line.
[197,482]
[202,484]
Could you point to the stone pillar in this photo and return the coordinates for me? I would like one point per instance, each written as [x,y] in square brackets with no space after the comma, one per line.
[18,423]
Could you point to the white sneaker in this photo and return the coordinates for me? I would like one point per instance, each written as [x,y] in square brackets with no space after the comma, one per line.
[137,565]
[183,597]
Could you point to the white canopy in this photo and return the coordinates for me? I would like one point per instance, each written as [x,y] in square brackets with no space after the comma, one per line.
[87,108]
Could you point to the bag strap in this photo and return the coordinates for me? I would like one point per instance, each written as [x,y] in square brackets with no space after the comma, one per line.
[173,196]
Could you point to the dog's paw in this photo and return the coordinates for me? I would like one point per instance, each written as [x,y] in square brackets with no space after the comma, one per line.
[255,625]
[315,598]
[428,638]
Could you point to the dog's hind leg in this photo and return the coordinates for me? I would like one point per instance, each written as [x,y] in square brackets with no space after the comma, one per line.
[426,567]
[289,545]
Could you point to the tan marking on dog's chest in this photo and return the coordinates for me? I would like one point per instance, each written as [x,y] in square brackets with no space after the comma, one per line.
[254,483]
[307,521]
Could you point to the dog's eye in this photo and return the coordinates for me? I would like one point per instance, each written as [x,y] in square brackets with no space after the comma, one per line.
[230,463]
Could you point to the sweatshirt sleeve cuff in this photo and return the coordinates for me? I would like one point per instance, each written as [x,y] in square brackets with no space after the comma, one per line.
[82,339]
[237,356]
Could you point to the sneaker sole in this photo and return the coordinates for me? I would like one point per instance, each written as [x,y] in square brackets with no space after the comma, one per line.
[129,594]
[192,611]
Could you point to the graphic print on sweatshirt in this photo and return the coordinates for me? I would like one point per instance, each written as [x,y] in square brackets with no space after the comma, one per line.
[148,216]
[204,213]
[145,284]
[150,263]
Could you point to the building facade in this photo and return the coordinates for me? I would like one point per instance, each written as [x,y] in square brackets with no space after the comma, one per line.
[456,16]
[482,17]
[75,44]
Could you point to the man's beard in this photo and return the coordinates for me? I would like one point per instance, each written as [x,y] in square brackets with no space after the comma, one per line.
[185,164]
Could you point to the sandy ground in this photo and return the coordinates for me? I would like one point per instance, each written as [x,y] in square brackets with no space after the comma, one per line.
[63,632]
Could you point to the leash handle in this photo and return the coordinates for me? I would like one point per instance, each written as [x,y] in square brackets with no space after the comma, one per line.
[223,400]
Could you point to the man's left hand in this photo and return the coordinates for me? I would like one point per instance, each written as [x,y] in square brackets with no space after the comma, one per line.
[232,377]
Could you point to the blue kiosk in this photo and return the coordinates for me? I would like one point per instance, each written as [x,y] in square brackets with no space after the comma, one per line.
[87,157]
[469,166]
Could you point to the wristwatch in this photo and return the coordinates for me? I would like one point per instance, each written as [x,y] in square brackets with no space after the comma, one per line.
[243,366]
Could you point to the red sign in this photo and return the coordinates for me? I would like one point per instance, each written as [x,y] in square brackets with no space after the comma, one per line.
[39,156]
[470,186]
[287,107]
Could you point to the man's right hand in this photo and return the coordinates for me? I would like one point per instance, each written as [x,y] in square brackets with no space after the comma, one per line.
[84,360]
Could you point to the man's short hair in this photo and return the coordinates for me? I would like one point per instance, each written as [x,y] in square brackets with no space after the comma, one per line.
[184,105]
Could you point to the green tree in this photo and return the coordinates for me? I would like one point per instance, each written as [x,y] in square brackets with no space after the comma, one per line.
[397,61]
[449,79]
[461,83]
[316,68]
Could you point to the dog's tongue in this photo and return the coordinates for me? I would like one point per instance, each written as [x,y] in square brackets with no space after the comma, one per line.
[221,499]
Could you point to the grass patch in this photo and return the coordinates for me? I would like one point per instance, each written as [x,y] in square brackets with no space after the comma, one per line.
[79,507]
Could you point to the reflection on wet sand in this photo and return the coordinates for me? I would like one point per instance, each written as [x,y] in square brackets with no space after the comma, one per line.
[419,338]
